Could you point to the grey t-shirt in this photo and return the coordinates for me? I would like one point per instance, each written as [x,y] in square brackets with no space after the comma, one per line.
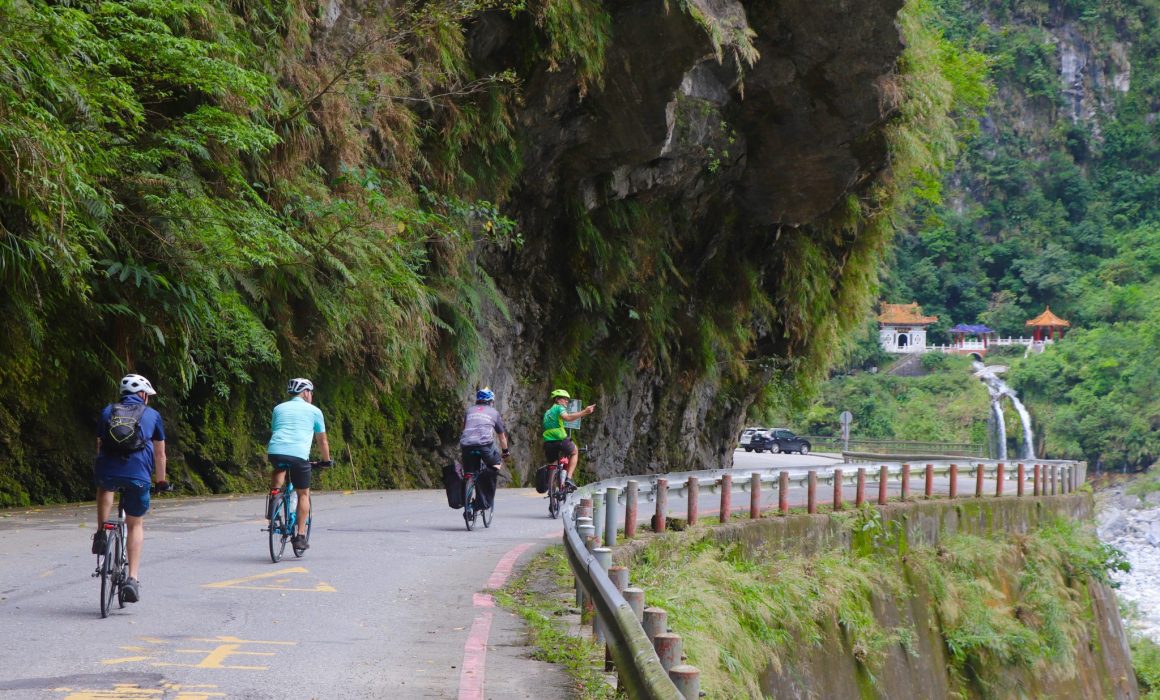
[480,425]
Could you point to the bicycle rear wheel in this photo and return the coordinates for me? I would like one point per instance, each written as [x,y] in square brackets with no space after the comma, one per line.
[469,512]
[279,531]
[122,563]
[108,573]
[554,496]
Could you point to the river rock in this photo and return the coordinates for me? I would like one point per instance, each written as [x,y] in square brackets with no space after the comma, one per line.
[1152,536]
[1111,524]
[1132,525]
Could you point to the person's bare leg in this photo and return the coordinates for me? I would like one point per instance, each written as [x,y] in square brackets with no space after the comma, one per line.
[303,509]
[573,461]
[136,526]
[104,506]
[277,478]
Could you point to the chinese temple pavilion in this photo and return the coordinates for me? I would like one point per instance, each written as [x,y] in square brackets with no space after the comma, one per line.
[962,331]
[1047,326]
[902,328]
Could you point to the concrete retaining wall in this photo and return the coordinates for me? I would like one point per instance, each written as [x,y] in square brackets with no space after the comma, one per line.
[1102,666]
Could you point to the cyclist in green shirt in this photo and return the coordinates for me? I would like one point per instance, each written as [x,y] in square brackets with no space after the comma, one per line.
[556,441]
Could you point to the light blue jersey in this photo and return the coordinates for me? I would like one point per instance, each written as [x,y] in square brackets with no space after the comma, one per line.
[294,424]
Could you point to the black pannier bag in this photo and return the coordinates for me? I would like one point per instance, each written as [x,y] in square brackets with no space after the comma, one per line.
[542,476]
[453,482]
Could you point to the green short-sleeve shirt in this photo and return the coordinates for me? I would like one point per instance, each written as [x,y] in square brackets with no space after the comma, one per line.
[554,423]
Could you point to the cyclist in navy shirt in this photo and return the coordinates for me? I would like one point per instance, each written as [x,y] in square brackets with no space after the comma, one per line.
[130,469]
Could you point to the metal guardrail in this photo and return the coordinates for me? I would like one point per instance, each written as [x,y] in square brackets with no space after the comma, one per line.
[907,448]
[636,659]
[639,666]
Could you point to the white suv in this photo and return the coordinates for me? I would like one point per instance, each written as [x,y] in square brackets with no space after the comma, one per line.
[747,437]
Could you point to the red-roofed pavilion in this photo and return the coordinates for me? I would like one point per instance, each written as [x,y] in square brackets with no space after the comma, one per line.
[1046,326]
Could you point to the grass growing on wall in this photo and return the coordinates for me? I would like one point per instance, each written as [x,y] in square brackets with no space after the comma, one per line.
[1003,603]
[1146,661]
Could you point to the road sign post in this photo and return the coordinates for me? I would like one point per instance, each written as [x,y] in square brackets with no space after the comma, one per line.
[845,419]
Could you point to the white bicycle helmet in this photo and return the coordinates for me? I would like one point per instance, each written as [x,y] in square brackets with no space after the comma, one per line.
[132,383]
[299,385]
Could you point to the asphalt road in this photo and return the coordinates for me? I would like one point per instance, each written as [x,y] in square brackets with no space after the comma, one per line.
[748,460]
[383,604]
[389,602]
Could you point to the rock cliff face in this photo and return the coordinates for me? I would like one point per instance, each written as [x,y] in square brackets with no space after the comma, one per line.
[727,128]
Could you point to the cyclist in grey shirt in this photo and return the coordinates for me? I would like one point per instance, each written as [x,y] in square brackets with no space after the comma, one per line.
[481,426]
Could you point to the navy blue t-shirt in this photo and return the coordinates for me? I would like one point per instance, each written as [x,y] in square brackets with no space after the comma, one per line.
[135,465]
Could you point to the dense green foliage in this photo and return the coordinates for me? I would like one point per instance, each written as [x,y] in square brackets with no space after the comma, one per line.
[212,195]
[1060,212]
[1038,200]
[1146,661]
[1044,208]
[946,405]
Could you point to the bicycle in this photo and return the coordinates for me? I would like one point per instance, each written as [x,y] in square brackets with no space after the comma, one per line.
[113,563]
[282,512]
[470,511]
[557,486]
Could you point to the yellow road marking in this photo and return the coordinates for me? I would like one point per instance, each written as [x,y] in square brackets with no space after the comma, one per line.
[132,691]
[274,581]
[224,648]
[126,660]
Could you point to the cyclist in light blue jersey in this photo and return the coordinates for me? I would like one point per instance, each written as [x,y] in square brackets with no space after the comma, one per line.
[295,425]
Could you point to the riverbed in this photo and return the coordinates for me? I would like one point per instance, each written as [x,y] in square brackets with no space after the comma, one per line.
[1132,524]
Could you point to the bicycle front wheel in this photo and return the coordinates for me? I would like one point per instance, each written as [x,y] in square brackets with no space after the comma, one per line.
[109,572]
[279,532]
[487,513]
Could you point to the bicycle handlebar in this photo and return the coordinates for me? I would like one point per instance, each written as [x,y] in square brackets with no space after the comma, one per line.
[322,464]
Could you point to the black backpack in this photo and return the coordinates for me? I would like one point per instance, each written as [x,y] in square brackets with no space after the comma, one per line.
[124,436]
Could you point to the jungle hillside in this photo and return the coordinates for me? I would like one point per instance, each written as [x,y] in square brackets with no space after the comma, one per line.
[1054,201]
[669,208]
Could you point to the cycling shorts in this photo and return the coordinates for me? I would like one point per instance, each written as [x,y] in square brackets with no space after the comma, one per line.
[473,455]
[134,493]
[555,449]
[299,469]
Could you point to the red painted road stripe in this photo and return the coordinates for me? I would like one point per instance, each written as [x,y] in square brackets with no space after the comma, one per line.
[474,659]
[471,672]
[482,600]
[504,568]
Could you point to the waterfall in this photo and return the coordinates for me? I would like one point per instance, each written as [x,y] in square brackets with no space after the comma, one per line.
[998,389]
[1025,417]
[1000,427]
